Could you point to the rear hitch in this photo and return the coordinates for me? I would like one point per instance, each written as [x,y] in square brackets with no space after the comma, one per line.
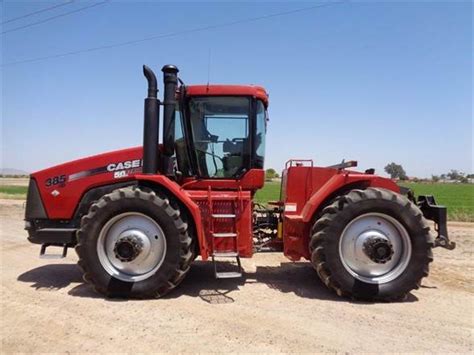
[438,214]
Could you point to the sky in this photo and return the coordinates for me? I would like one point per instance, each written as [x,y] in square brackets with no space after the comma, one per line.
[370,81]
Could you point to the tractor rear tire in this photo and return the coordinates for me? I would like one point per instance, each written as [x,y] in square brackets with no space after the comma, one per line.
[133,244]
[372,245]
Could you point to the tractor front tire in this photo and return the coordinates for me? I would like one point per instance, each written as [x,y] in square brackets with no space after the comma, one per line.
[372,245]
[133,244]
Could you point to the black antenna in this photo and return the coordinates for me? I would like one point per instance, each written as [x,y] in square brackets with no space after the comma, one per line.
[209,67]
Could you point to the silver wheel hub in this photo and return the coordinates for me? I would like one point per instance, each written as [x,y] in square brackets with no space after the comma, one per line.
[378,248]
[375,248]
[131,246]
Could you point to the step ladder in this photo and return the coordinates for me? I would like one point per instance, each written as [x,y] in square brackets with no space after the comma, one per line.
[226,255]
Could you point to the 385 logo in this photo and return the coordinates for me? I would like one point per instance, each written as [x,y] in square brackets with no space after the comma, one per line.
[56,180]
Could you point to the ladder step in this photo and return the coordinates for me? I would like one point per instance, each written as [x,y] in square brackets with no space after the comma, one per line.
[223,215]
[224,235]
[43,254]
[227,254]
[228,275]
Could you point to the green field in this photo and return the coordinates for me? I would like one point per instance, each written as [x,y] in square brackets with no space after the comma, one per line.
[13,191]
[459,198]
[270,192]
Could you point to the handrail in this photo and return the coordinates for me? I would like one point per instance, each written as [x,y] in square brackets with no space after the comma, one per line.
[298,162]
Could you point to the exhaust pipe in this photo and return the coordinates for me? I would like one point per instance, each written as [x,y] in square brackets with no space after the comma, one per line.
[151,124]
[170,80]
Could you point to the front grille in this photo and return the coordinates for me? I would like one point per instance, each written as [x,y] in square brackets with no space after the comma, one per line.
[34,205]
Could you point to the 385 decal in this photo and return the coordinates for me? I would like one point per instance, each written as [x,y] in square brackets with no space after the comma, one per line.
[56,180]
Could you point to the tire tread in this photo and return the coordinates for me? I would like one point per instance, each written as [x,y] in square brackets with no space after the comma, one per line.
[321,233]
[162,203]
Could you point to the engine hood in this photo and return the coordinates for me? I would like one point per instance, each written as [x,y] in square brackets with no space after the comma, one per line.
[63,185]
[106,163]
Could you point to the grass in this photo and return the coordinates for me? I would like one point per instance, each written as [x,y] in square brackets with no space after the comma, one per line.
[270,192]
[458,198]
[13,192]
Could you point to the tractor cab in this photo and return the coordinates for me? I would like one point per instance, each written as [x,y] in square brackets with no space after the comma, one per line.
[209,131]
[220,130]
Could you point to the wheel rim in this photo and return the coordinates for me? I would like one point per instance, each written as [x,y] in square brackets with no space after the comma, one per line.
[375,248]
[131,246]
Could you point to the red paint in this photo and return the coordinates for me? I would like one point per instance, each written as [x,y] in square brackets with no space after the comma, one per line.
[309,188]
[253,180]
[64,205]
[228,90]
[182,196]
[226,202]
[304,189]
[193,194]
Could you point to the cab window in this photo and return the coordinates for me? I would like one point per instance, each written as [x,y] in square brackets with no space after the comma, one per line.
[261,131]
[220,133]
[180,148]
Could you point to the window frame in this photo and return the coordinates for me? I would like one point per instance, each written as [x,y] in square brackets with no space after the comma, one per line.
[254,133]
[249,160]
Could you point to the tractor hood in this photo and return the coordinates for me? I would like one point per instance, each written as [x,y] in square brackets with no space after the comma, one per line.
[61,186]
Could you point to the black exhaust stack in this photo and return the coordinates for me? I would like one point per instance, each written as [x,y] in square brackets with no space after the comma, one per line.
[152,121]
[170,80]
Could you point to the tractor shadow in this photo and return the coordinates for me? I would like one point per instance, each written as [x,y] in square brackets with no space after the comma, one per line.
[297,278]
[54,277]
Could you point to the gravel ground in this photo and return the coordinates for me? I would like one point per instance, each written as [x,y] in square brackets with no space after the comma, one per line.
[279,306]
[14,181]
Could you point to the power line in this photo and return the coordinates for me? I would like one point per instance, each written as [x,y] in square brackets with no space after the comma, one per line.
[55,17]
[37,12]
[174,34]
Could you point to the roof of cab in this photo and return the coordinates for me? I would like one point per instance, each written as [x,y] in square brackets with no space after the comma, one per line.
[228,90]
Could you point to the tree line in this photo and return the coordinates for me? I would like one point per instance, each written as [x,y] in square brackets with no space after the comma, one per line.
[396,171]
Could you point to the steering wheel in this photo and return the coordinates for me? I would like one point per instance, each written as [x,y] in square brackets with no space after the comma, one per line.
[214,156]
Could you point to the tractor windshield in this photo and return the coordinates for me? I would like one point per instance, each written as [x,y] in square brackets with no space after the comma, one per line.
[220,129]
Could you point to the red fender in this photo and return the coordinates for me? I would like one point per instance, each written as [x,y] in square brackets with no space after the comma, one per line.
[338,182]
[297,226]
[184,198]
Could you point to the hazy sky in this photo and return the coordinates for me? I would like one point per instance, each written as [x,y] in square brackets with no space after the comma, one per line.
[375,82]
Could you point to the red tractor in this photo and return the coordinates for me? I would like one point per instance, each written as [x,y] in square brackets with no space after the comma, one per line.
[138,217]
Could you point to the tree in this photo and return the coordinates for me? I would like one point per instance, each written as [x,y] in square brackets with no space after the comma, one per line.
[270,174]
[395,171]
[435,178]
[455,175]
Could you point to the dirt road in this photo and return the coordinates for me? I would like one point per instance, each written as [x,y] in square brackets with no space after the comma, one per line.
[278,306]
